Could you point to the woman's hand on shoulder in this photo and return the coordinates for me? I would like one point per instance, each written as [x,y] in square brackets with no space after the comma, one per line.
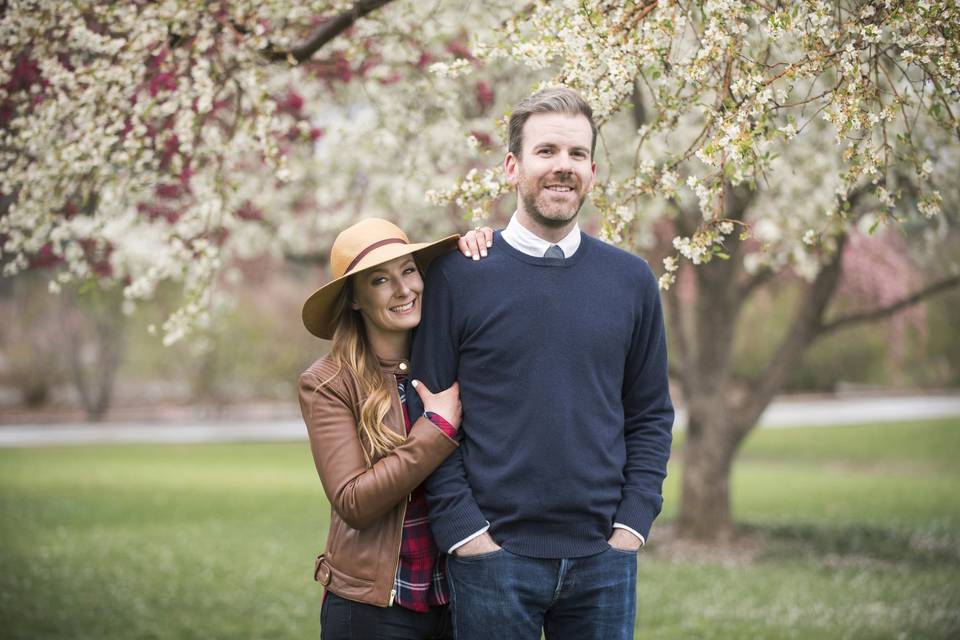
[445,403]
[474,243]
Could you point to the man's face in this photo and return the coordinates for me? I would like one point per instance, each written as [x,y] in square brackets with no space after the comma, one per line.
[555,171]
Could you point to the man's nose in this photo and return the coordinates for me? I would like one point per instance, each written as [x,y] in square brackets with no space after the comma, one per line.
[563,163]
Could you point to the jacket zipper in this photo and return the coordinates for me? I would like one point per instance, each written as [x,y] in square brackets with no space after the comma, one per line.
[396,565]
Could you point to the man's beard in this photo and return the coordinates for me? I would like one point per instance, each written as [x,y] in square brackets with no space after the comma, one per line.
[556,222]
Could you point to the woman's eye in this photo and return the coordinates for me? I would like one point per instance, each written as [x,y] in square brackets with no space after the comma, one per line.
[377,281]
[409,270]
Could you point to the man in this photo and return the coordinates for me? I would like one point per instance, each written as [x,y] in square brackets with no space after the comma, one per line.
[558,344]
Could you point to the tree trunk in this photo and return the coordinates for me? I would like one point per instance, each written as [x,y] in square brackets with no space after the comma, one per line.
[705,486]
[719,419]
[94,335]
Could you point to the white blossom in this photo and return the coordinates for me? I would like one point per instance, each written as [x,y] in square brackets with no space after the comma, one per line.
[403,118]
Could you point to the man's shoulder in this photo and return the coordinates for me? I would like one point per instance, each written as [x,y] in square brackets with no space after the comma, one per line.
[620,258]
[456,267]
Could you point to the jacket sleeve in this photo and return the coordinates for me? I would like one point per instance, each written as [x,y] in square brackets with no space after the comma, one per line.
[435,357]
[361,494]
[648,414]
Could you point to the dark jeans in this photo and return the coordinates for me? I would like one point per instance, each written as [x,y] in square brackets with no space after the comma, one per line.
[503,595]
[342,619]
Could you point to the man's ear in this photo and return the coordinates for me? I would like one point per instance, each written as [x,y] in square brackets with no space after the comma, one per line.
[593,176]
[511,168]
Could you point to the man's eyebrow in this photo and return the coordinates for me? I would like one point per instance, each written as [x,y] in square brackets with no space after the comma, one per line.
[554,145]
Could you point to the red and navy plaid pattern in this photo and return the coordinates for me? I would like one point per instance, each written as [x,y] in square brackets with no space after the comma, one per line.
[421,580]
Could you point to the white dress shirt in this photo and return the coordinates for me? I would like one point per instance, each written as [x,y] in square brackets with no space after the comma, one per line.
[526,241]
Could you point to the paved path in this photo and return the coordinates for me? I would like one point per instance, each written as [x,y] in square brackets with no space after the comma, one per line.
[786,412]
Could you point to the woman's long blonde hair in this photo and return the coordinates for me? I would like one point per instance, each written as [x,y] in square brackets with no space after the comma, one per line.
[350,350]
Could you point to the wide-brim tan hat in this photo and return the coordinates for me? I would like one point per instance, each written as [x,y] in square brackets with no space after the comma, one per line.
[366,244]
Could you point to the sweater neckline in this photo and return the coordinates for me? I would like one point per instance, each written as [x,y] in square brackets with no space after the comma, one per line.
[585,243]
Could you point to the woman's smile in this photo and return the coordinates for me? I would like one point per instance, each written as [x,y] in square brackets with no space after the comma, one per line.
[404,308]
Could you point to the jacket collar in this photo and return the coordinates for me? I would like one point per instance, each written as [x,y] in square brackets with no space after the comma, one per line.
[396,367]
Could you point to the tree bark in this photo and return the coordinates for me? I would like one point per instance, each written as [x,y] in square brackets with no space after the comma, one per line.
[95,341]
[712,443]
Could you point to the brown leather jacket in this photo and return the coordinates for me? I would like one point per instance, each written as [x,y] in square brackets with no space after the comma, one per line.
[367,503]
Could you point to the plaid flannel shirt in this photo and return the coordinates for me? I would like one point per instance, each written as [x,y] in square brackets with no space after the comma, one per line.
[421,580]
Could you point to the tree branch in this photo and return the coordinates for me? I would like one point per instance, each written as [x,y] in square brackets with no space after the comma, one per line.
[802,331]
[758,279]
[888,310]
[327,31]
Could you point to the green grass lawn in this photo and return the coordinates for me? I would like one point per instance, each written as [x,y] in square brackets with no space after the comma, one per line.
[849,532]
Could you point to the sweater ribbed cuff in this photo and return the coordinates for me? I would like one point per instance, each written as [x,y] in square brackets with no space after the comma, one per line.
[638,512]
[457,525]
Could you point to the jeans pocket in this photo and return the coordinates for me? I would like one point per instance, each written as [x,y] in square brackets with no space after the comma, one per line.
[626,552]
[477,556]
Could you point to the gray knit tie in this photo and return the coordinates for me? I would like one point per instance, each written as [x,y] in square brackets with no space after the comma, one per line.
[553,251]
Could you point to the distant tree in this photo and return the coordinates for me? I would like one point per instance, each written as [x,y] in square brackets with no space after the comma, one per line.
[92,343]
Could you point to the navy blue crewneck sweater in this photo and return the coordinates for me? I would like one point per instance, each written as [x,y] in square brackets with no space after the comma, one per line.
[567,417]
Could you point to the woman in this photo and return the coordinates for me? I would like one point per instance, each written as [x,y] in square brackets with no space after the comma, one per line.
[383,575]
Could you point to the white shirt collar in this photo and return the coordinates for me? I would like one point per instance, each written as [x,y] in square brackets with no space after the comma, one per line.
[526,241]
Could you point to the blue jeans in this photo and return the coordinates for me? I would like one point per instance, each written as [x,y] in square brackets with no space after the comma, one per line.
[503,595]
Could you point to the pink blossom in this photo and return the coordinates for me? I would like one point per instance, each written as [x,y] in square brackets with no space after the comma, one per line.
[485,95]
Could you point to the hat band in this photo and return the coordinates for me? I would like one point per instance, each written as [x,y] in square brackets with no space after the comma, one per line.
[363,254]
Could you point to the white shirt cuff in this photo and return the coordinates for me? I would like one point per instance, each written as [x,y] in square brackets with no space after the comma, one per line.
[617,525]
[468,539]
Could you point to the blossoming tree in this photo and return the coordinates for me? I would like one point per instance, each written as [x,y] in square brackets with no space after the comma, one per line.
[145,142]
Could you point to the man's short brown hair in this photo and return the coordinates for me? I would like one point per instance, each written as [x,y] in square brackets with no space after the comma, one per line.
[555,100]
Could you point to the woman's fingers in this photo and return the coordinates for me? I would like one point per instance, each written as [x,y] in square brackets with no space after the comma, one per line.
[463,245]
[475,242]
[487,236]
[480,240]
[422,391]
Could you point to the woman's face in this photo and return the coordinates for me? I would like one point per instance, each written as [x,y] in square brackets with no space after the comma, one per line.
[388,296]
